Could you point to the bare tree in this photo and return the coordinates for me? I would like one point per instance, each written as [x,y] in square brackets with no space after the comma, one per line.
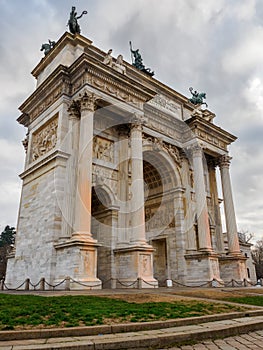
[245,236]
[257,256]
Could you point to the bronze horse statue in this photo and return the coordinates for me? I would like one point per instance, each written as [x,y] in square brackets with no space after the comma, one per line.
[197,97]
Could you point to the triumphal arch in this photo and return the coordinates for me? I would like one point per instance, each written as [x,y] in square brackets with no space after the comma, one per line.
[119,186]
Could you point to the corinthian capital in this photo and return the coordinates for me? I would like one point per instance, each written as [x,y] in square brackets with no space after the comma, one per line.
[88,102]
[137,121]
[224,161]
[74,110]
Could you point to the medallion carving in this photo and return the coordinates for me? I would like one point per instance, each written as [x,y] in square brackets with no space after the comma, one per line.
[44,139]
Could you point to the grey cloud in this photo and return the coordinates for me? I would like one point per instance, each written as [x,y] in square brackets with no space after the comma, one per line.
[186,43]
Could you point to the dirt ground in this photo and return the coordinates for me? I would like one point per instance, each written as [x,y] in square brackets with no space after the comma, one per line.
[167,295]
[160,294]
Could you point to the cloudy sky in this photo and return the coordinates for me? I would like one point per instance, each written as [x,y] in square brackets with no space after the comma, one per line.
[215,46]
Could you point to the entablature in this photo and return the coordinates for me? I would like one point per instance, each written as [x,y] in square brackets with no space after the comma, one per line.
[210,133]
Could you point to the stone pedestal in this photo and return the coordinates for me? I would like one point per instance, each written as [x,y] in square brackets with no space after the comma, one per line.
[78,260]
[233,268]
[203,264]
[134,268]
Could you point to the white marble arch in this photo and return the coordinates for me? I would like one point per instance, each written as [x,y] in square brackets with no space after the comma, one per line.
[165,160]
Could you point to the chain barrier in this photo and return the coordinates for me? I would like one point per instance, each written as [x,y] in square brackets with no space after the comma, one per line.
[42,282]
[85,285]
[17,288]
[34,285]
[150,284]
[127,285]
[55,285]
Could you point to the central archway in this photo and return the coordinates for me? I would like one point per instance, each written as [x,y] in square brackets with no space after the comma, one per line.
[160,180]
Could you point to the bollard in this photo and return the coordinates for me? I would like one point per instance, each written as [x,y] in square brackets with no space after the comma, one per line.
[169,283]
[42,284]
[233,282]
[2,284]
[139,279]
[27,281]
[67,283]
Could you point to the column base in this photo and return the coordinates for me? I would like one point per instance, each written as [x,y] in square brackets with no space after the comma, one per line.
[77,259]
[134,267]
[233,268]
[203,269]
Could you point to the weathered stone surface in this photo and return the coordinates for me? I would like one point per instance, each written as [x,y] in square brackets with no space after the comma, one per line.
[119,187]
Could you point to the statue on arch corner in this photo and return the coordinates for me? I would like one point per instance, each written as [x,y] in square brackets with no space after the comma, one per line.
[73,21]
[197,97]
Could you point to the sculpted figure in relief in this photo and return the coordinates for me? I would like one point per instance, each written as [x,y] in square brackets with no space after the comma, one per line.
[44,140]
[103,149]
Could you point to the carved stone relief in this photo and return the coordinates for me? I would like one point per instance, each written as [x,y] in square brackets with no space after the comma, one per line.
[103,149]
[44,139]
[157,217]
[160,145]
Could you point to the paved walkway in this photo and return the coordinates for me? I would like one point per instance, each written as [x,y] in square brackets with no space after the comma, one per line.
[161,338]
[253,340]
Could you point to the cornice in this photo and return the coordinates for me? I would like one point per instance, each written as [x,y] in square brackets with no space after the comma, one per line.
[66,38]
[210,133]
[104,78]
[45,95]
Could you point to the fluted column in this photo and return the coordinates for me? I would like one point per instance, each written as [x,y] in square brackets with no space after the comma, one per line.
[69,191]
[231,226]
[137,199]
[82,225]
[200,197]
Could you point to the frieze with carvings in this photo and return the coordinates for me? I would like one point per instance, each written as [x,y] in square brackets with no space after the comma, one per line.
[105,176]
[45,103]
[108,85]
[44,139]
[211,139]
[159,217]
[159,145]
[103,149]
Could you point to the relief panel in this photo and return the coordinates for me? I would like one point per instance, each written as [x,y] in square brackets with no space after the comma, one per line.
[44,139]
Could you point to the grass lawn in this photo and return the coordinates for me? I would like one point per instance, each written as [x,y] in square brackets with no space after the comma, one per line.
[29,311]
[250,300]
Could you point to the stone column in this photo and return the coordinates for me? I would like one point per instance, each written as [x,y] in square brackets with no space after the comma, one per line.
[70,183]
[137,199]
[82,225]
[231,226]
[77,257]
[134,263]
[123,144]
[201,203]
[217,230]
[180,235]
